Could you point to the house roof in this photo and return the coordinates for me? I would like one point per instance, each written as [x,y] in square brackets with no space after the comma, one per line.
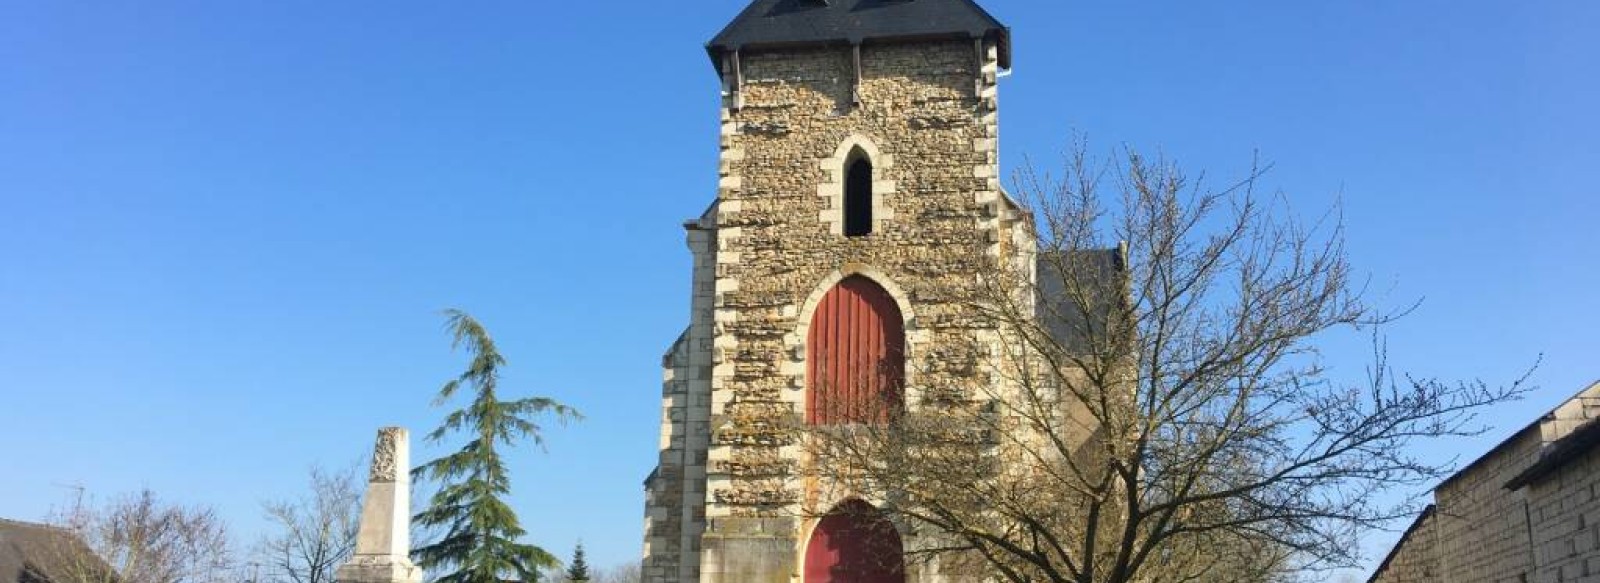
[787,23]
[38,553]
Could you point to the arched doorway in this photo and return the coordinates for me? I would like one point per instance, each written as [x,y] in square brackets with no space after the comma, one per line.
[855,543]
[855,353]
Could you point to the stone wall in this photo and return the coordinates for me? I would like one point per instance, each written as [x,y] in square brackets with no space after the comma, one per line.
[676,492]
[1482,527]
[1416,559]
[1484,532]
[1479,531]
[926,117]
[1565,509]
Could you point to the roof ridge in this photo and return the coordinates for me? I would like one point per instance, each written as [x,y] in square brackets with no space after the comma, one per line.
[25,522]
[1536,423]
[44,525]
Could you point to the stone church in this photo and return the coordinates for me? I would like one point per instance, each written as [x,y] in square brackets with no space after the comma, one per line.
[858,203]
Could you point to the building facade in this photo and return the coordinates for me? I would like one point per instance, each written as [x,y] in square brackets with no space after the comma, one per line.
[1526,512]
[859,204]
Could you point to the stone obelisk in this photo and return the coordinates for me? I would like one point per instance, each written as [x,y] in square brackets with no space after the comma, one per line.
[383,548]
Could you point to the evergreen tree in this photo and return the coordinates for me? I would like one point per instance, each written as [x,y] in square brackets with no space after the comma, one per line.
[579,569]
[481,532]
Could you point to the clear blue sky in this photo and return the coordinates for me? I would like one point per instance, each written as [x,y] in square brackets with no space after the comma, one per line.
[226,228]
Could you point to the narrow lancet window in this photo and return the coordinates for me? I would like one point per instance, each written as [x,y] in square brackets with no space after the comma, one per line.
[858,196]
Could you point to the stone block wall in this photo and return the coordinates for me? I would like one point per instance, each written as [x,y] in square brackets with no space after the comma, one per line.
[1478,530]
[676,492]
[1416,560]
[1565,510]
[1482,527]
[925,114]
[1483,532]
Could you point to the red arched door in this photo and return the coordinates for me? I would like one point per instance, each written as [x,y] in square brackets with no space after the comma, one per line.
[855,355]
[855,543]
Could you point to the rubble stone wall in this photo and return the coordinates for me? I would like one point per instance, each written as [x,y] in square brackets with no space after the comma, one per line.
[924,113]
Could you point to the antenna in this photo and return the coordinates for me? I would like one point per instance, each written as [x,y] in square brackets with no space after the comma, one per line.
[77,499]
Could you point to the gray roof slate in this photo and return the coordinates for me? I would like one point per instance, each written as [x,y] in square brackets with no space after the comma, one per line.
[776,23]
[1073,326]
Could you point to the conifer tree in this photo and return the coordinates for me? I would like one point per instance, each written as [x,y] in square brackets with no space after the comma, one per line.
[481,532]
[578,570]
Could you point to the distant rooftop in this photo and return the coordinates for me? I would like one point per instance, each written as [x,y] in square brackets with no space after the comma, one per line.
[791,23]
[1073,325]
[38,553]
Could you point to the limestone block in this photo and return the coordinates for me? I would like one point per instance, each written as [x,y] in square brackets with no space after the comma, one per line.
[383,544]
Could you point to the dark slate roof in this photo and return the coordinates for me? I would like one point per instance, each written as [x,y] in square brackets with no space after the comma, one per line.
[1558,454]
[1069,323]
[775,23]
[37,553]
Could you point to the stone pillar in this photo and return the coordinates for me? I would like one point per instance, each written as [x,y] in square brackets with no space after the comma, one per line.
[383,548]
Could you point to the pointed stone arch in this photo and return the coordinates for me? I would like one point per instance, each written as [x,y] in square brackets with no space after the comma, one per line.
[855,542]
[795,342]
[836,170]
[855,349]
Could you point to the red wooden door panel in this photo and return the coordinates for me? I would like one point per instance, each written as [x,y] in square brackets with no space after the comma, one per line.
[855,544]
[855,355]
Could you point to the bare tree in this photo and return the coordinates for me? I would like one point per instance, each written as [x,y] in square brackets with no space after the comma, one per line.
[1153,405]
[139,538]
[314,534]
[625,573]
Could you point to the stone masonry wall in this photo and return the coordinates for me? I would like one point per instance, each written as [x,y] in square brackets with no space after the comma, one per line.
[1484,533]
[1565,507]
[1482,527]
[927,117]
[1417,560]
[675,503]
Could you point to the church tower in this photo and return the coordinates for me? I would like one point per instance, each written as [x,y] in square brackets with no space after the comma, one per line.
[858,205]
